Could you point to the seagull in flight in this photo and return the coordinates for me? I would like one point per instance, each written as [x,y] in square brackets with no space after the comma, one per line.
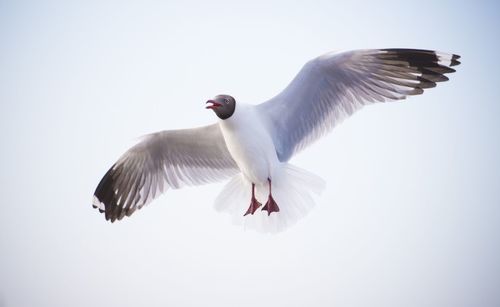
[252,144]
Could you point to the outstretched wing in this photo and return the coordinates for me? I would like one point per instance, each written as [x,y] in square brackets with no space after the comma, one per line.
[162,160]
[333,86]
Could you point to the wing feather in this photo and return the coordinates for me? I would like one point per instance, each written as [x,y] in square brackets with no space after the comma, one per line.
[335,85]
[163,160]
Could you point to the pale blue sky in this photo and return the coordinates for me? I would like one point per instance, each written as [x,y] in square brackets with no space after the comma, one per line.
[411,212]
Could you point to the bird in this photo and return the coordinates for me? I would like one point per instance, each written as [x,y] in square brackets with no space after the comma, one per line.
[251,144]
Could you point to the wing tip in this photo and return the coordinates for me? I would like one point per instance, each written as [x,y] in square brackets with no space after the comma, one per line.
[109,210]
[97,204]
[440,58]
[101,207]
[448,60]
[455,60]
[105,198]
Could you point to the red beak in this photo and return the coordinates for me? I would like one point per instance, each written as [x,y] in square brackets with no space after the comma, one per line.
[212,104]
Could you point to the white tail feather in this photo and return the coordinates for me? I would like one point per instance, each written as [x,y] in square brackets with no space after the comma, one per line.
[292,190]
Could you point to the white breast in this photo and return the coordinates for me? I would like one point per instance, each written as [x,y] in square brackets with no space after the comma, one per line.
[250,144]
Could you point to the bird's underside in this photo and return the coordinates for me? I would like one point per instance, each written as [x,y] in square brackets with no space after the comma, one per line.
[326,90]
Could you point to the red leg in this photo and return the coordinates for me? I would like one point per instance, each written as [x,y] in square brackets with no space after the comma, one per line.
[254,204]
[271,206]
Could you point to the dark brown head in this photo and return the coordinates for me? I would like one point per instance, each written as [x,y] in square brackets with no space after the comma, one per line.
[222,105]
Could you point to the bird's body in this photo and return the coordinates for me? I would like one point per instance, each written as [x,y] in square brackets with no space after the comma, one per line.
[252,144]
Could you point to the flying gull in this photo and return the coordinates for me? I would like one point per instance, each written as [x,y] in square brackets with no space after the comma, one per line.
[252,144]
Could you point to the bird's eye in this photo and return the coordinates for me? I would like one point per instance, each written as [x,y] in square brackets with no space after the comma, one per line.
[226,101]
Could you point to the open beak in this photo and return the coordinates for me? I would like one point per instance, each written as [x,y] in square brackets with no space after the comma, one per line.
[212,104]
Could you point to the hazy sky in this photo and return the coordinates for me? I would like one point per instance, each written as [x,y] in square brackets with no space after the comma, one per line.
[411,212]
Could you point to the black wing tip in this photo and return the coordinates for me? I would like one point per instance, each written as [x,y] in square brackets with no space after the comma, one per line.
[101,207]
[112,215]
[433,65]
[105,199]
[454,60]
[425,54]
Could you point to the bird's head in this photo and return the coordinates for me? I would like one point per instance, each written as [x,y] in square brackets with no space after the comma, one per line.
[222,105]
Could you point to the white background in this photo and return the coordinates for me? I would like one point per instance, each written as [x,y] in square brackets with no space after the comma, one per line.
[410,215]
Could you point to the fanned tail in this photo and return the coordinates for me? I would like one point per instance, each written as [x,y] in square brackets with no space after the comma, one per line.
[293,189]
